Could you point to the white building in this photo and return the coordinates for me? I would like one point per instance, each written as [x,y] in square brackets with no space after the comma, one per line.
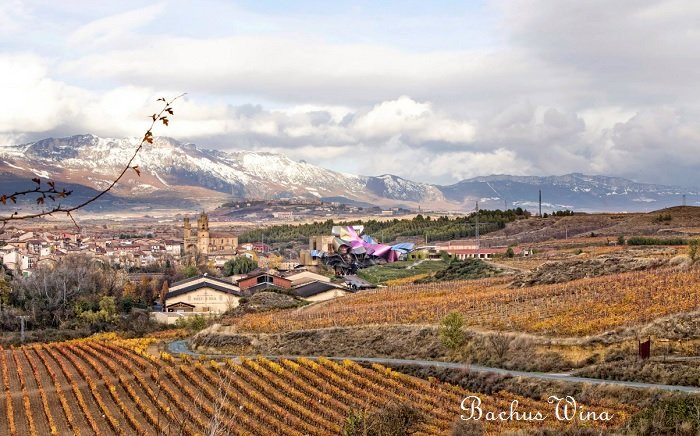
[208,295]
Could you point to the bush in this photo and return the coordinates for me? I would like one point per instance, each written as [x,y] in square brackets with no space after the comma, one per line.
[675,416]
[190,271]
[451,334]
[239,265]
[639,240]
[193,323]
[663,218]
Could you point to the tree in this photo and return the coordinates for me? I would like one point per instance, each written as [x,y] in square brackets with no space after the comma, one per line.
[190,271]
[239,265]
[106,315]
[510,252]
[451,334]
[45,191]
[51,295]
[163,292]
[621,240]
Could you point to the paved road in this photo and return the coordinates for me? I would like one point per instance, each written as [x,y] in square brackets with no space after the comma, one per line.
[181,347]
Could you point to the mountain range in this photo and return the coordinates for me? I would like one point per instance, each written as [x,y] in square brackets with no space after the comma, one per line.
[175,175]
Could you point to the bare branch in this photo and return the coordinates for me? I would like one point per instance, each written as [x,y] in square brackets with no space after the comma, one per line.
[52,193]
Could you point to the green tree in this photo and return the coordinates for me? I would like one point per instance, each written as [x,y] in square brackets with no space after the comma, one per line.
[510,252]
[190,271]
[451,334]
[239,265]
[621,240]
[106,314]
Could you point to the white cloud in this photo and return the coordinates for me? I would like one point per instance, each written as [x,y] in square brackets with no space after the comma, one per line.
[412,119]
[114,28]
[599,86]
[33,102]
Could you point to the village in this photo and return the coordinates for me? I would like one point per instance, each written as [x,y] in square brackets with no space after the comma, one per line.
[307,274]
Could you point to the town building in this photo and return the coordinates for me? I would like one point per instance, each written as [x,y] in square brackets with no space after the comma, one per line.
[204,294]
[485,252]
[203,241]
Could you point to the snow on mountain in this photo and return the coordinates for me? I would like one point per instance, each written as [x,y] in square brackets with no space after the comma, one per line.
[170,166]
[175,173]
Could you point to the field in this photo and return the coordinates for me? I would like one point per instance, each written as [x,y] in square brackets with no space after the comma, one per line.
[114,386]
[580,307]
[394,273]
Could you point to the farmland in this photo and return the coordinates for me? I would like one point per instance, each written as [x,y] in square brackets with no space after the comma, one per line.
[114,386]
[580,307]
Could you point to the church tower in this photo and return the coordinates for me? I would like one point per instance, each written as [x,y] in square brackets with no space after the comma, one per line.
[203,233]
[188,230]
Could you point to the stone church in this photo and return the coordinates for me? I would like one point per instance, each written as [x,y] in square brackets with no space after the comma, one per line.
[203,241]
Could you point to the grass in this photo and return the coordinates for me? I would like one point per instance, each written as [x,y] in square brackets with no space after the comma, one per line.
[467,269]
[381,274]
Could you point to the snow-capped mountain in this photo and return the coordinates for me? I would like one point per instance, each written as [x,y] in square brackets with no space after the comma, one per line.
[178,175]
[184,174]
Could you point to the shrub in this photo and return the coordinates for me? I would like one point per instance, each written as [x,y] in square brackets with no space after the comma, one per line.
[693,246]
[639,240]
[190,271]
[193,323]
[663,218]
[451,334]
[239,265]
[674,416]
[392,419]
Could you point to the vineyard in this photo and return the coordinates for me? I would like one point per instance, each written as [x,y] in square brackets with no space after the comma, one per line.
[114,386]
[579,307]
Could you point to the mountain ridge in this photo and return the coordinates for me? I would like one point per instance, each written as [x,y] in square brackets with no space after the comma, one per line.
[184,175]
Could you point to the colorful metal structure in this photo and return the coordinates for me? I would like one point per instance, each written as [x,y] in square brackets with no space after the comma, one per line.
[353,250]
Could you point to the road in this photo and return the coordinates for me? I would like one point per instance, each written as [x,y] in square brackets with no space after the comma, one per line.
[181,347]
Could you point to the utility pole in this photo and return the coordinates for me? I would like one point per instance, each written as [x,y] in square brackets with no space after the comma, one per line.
[540,203]
[683,199]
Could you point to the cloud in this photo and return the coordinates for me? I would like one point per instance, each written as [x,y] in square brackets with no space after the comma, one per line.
[33,102]
[598,87]
[417,121]
[625,51]
[113,28]
[13,15]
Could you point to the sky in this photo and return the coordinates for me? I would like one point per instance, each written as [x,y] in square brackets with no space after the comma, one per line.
[433,91]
